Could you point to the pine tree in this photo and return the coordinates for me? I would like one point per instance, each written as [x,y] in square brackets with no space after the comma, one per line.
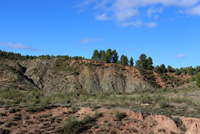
[150,63]
[170,69]
[124,60]
[100,54]
[95,55]
[114,56]
[103,55]
[138,64]
[142,62]
[131,62]
[158,70]
[163,69]
[108,56]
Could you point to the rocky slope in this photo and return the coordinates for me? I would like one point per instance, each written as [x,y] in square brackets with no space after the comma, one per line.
[59,74]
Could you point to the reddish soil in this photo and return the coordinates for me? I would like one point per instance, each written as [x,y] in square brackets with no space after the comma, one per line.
[18,120]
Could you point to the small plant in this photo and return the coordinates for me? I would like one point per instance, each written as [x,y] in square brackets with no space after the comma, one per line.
[74,109]
[97,114]
[14,110]
[187,80]
[178,121]
[87,119]
[135,130]
[119,115]
[72,126]
[45,102]
[145,99]
[31,108]
[163,103]
[162,130]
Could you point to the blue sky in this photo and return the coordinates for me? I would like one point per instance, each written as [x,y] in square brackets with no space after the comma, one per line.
[166,30]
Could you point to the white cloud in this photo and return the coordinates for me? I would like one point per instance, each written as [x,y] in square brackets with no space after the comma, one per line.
[128,12]
[135,24]
[122,15]
[195,10]
[151,11]
[139,23]
[181,56]
[85,3]
[17,46]
[102,17]
[88,40]
[151,24]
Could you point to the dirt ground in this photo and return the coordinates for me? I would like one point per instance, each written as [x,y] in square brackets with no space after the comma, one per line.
[18,120]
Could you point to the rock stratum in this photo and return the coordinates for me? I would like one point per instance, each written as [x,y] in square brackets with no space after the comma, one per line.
[59,74]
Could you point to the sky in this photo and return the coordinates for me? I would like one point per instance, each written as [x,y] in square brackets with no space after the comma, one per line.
[166,30]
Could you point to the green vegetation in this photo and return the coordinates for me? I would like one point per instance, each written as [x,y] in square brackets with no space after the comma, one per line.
[108,57]
[159,101]
[131,62]
[17,56]
[149,77]
[163,103]
[119,115]
[124,60]
[72,125]
[198,79]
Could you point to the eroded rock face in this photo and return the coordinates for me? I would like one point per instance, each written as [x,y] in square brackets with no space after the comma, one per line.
[59,74]
[49,76]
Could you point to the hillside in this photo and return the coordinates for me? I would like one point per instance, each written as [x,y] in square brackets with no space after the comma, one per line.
[61,74]
[53,94]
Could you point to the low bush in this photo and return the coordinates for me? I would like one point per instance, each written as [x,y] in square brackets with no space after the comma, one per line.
[119,115]
[72,126]
[178,121]
[163,103]
[87,119]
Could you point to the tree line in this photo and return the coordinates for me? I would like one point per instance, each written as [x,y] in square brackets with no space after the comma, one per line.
[144,62]
[17,56]
[111,56]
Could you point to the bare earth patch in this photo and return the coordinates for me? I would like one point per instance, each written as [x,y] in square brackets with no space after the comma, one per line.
[18,120]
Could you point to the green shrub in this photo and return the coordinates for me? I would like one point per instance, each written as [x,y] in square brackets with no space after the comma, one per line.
[145,99]
[187,80]
[178,121]
[45,101]
[119,115]
[163,103]
[97,114]
[17,100]
[72,126]
[198,79]
[31,108]
[74,109]
[193,79]
[87,119]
